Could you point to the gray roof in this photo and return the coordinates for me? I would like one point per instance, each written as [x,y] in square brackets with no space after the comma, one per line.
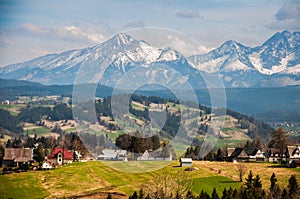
[111,153]
[18,154]
[186,160]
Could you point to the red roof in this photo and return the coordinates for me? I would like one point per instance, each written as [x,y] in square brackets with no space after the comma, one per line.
[68,155]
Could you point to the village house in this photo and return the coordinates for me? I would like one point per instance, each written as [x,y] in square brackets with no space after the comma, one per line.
[257,155]
[186,162]
[5,102]
[154,155]
[274,155]
[112,154]
[292,156]
[60,156]
[229,151]
[17,156]
[239,155]
[246,155]
[145,156]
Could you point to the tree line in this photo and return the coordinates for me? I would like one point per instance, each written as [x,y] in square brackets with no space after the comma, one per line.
[33,115]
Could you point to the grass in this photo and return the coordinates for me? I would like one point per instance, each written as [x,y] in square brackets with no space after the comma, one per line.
[22,185]
[223,118]
[93,176]
[231,129]
[39,131]
[264,170]
[208,183]
[138,106]
[114,134]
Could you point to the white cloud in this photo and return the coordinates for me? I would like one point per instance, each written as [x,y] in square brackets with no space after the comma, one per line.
[69,32]
[77,32]
[187,47]
[287,17]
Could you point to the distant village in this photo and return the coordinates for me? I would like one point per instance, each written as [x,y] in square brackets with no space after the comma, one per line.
[23,157]
[44,152]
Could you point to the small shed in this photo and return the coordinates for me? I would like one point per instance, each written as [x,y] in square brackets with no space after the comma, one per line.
[46,165]
[186,162]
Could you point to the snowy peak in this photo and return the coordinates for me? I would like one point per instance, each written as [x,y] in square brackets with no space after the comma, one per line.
[277,53]
[275,62]
[230,56]
[232,47]
[169,54]
[287,38]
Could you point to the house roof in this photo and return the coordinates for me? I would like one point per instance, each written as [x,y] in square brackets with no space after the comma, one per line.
[230,151]
[111,153]
[252,152]
[18,154]
[186,160]
[291,150]
[239,153]
[68,155]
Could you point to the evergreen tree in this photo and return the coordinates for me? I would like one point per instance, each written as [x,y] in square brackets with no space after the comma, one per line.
[274,188]
[284,194]
[214,194]
[234,194]
[2,150]
[134,195]
[9,144]
[141,194]
[189,195]
[109,196]
[177,196]
[249,181]
[257,186]
[38,153]
[257,182]
[204,195]
[293,187]
[224,194]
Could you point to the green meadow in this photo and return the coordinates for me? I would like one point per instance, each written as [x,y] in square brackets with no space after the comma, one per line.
[80,178]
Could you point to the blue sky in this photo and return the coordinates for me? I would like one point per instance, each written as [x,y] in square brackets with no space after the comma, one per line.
[31,28]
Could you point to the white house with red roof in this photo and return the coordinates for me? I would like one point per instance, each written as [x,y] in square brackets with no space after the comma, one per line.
[60,156]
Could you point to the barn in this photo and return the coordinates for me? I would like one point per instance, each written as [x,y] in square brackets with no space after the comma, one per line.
[186,162]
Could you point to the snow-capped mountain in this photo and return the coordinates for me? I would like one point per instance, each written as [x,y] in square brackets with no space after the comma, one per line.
[275,63]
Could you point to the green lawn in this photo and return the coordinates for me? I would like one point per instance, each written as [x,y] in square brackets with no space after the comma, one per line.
[40,131]
[81,178]
[208,183]
[22,185]
[231,129]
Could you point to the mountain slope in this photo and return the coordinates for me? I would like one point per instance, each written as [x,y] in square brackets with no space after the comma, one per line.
[275,63]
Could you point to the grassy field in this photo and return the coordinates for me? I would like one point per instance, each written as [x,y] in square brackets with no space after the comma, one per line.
[208,184]
[40,131]
[95,176]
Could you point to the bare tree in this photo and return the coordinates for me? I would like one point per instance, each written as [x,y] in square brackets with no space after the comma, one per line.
[279,140]
[241,171]
[167,184]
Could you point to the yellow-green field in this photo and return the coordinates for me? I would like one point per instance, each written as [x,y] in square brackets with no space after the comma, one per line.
[95,176]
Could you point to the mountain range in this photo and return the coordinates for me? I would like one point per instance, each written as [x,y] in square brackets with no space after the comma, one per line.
[276,63]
